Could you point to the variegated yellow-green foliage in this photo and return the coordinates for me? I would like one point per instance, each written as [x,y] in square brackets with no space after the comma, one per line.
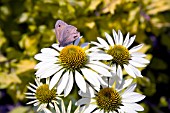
[26,26]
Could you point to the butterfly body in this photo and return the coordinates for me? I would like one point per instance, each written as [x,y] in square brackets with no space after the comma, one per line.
[65,33]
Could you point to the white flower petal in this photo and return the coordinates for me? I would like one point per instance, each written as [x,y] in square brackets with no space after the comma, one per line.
[124,84]
[90,108]
[49,72]
[97,44]
[69,85]
[90,76]
[120,38]
[94,49]
[100,64]
[119,72]
[126,109]
[32,94]
[135,70]
[126,41]
[131,88]
[109,39]
[132,97]
[136,48]
[99,56]
[46,110]
[131,40]
[100,70]
[50,52]
[115,36]
[69,107]
[30,88]
[138,54]
[82,101]
[36,104]
[56,108]
[33,85]
[136,64]
[129,70]
[55,78]
[103,42]
[63,82]
[30,97]
[56,46]
[45,58]
[43,64]
[80,81]
[134,106]
[31,102]
[140,60]
[42,106]
[89,92]
[45,68]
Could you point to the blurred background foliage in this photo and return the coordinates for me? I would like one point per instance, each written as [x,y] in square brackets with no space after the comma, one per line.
[26,26]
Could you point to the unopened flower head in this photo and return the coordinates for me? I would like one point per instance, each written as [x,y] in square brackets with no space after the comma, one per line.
[123,57]
[116,97]
[69,62]
[41,95]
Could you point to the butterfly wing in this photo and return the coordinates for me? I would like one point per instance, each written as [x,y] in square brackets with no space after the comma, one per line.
[69,35]
[59,27]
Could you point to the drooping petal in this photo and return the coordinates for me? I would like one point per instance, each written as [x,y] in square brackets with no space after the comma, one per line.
[90,76]
[90,108]
[63,82]
[99,69]
[129,71]
[136,64]
[140,60]
[80,81]
[131,88]
[49,72]
[119,72]
[82,101]
[69,85]
[55,79]
[135,70]
[100,64]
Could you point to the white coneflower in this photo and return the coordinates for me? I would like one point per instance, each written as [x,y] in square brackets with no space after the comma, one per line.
[64,64]
[122,55]
[114,98]
[42,96]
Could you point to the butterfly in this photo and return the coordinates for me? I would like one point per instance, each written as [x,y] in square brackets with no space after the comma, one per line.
[65,33]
